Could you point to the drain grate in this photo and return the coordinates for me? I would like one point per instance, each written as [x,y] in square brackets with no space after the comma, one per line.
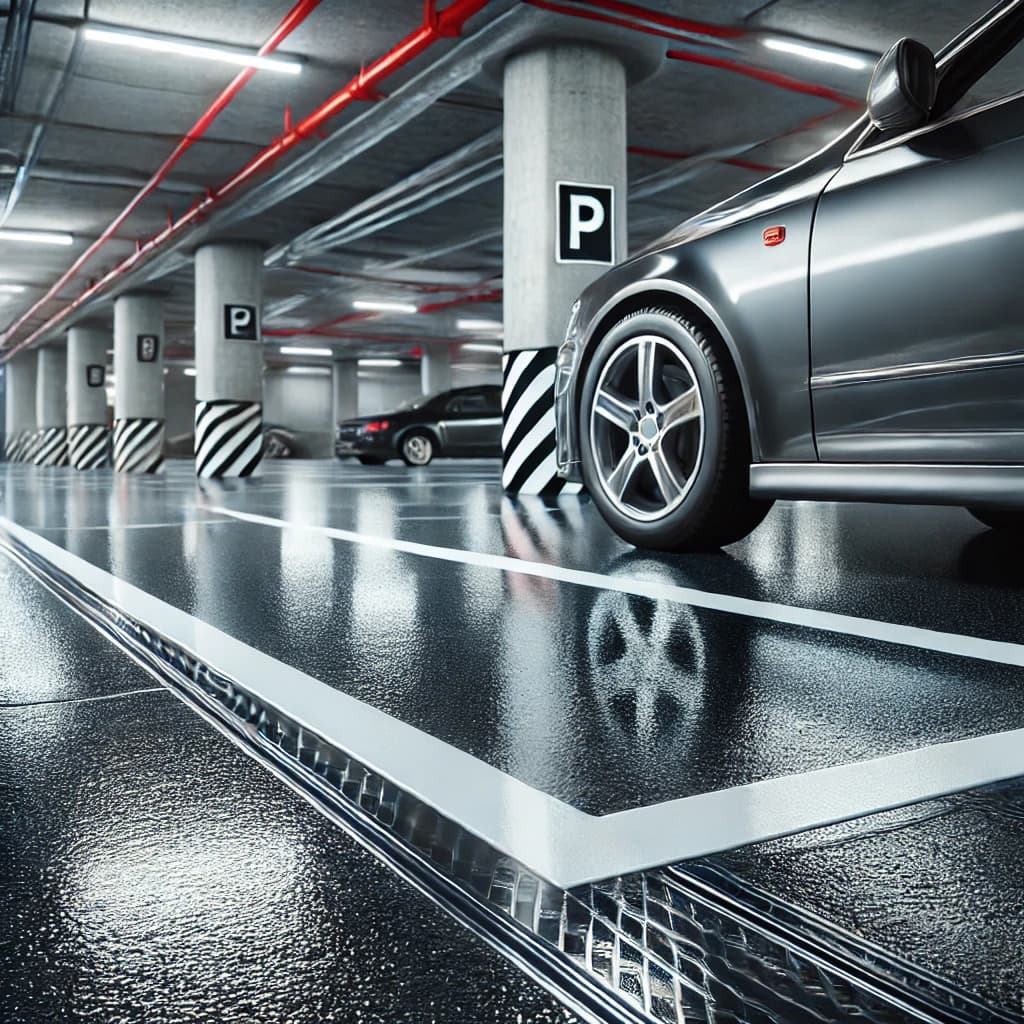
[680,944]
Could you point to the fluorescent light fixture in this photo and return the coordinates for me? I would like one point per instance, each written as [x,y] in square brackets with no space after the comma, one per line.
[478,325]
[38,237]
[479,347]
[380,362]
[818,53]
[184,48]
[292,350]
[311,371]
[384,307]
[12,289]
[189,371]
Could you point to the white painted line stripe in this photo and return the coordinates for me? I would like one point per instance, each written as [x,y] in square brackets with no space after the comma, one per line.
[1000,651]
[557,841]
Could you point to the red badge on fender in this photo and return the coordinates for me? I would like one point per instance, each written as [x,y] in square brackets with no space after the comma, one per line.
[775,235]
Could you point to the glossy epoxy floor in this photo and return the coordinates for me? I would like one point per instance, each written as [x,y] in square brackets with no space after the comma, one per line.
[602,697]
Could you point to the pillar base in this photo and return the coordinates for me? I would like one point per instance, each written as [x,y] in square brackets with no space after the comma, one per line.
[88,445]
[229,438]
[138,445]
[52,446]
[18,446]
[528,435]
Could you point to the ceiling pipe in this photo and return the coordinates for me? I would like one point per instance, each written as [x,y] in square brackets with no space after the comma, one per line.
[291,21]
[640,19]
[457,172]
[771,77]
[35,142]
[14,51]
[169,251]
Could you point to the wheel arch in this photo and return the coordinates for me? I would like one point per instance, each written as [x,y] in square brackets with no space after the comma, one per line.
[419,428]
[679,299]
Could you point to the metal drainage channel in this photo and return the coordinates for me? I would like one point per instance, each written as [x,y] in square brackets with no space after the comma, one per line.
[678,944]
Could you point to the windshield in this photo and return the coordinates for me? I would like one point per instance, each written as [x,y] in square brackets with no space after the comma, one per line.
[417,402]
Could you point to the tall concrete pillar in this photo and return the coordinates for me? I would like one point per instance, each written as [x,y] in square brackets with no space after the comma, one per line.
[229,359]
[88,434]
[564,224]
[51,407]
[345,390]
[139,384]
[436,370]
[20,414]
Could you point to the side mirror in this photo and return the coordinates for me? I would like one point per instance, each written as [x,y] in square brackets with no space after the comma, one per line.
[902,90]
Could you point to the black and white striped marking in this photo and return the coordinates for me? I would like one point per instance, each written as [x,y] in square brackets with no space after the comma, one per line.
[528,436]
[229,438]
[138,445]
[52,447]
[87,445]
[18,445]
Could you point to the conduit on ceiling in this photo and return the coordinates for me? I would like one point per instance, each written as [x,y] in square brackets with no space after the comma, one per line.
[436,25]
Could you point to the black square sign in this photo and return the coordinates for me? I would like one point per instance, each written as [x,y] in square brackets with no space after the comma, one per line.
[240,323]
[585,232]
[95,375]
[147,347]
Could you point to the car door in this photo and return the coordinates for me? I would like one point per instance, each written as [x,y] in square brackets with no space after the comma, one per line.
[460,425]
[916,293]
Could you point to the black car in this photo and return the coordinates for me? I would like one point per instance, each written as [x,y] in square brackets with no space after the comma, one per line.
[462,422]
[849,329]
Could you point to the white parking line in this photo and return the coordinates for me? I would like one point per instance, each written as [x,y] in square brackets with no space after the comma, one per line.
[557,841]
[1000,651]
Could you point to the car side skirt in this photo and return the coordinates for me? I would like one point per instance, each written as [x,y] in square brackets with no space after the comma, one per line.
[996,486]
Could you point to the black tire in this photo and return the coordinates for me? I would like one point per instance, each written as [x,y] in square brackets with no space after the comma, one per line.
[408,447]
[999,518]
[370,460]
[717,509]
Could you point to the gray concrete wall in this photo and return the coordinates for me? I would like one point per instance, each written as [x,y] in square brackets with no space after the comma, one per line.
[302,403]
[179,402]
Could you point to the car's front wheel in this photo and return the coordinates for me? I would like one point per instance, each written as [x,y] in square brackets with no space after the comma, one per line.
[999,519]
[417,448]
[664,441]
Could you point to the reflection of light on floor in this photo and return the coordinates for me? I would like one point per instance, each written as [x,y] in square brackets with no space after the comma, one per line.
[383,587]
[790,542]
[307,558]
[203,883]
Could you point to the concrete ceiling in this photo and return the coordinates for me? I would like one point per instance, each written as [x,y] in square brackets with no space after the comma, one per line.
[121,112]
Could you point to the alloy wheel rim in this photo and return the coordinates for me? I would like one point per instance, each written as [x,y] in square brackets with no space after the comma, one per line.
[647,428]
[418,449]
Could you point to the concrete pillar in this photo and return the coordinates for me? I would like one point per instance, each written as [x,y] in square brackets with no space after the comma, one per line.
[345,388]
[20,414]
[436,370]
[565,122]
[51,407]
[139,384]
[88,434]
[229,359]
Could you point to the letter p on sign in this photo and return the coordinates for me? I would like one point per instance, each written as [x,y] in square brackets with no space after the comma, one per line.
[240,323]
[585,232]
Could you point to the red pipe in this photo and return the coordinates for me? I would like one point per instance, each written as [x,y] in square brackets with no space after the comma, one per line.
[771,77]
[292,20]
[670,26]
[437,25]
[735,161]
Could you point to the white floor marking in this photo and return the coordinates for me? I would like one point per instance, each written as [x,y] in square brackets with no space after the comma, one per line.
[999,651]
[557,841]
